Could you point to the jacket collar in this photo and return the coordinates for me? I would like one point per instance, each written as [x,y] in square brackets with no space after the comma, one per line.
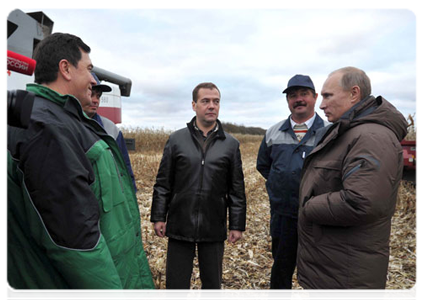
[318,122]
[359,110]
[68,102]
[219,134]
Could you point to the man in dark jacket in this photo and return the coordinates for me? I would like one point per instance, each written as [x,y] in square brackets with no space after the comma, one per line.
[349,188]
[280,160]
[200,178]
[73,218]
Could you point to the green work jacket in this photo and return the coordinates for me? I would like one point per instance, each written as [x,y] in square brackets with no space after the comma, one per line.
[73,217]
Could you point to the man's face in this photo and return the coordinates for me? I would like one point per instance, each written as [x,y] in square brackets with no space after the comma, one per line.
[335,100]
[91,108]
[82,80]
[207,106]
[301,102]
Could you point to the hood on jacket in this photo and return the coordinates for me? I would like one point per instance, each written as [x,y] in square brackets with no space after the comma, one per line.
[375,110]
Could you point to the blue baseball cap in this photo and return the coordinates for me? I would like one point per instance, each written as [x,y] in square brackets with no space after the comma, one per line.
[99,86]
[300,81]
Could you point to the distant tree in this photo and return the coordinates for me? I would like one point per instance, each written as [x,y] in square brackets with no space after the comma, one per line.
[241,129]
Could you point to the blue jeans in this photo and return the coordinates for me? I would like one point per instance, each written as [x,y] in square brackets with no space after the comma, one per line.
[284,252]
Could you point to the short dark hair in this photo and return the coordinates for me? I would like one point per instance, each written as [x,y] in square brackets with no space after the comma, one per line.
[51,50]
[204,85]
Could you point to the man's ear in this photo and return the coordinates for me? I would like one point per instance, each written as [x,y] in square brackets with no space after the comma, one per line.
[355,94]
[64,69]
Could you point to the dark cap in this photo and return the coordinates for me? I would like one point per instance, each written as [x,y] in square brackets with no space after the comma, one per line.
[101,87]
[300,81]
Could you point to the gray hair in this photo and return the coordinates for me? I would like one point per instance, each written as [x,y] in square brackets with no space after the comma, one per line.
[352,76]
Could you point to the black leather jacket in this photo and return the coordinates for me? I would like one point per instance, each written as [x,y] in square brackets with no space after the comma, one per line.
[195,188]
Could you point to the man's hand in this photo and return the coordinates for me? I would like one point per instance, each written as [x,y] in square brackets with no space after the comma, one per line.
[160,229]
[234,235]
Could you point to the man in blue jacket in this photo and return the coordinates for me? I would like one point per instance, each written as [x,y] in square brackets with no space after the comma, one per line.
[280,160]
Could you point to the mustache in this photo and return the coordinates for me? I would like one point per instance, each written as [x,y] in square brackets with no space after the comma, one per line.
[299,104]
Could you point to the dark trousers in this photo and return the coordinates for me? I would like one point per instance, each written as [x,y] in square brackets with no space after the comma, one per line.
[179,264]
[284,252]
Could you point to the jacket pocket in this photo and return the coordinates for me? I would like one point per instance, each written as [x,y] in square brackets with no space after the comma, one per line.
[327,176]
[181,209]
[215,210]
[172,204]
[275,185]
[224,208]
[334,165]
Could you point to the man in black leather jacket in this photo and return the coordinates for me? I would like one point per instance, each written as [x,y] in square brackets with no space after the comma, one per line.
[199,180]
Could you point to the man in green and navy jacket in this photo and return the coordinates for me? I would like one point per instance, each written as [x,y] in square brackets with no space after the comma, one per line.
[73,217]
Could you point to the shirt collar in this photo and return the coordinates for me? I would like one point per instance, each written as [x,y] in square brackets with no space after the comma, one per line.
[309,122]
[216,128]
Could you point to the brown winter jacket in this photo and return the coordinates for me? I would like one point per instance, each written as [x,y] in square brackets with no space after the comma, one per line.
[347,199]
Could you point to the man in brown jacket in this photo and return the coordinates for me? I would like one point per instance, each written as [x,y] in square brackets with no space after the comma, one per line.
[349,188]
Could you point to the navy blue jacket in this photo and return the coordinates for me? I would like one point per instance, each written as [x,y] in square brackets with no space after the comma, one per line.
[280,160]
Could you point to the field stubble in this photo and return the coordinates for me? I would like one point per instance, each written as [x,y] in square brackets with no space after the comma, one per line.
[247,264]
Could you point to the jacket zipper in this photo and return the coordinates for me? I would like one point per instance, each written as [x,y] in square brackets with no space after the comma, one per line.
[200,188]
[350,172]
[198,192]
[203,162]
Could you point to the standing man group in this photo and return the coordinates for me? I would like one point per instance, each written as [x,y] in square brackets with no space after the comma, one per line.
[280,160]
[73,218]
[331,204]
[199,181]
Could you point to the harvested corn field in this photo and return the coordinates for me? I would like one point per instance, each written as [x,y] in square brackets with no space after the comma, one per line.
[247,264]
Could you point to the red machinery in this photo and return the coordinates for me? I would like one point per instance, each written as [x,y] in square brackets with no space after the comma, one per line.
[411,154]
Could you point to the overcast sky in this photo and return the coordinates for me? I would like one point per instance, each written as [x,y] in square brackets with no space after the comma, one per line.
[250,54]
